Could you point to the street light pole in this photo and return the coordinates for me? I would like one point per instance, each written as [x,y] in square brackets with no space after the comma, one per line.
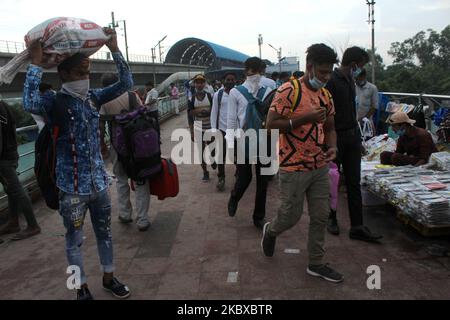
[260,43]
[279,53]
[159,45]
[113,21]
[371,4]
[279,57]
[126,37]
[154,67]
[154,57]
[114,25]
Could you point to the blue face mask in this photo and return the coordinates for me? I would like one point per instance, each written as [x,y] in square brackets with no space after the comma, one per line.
[401,132]
[356,73]
[316,83]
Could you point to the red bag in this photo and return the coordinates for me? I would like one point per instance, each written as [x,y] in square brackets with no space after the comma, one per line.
[165,185]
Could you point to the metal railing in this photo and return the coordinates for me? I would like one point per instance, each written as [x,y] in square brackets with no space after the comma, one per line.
[11,46]
[422,99]
[419,96]
[165,111]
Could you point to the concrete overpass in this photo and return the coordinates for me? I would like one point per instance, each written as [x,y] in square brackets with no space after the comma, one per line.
[142,72]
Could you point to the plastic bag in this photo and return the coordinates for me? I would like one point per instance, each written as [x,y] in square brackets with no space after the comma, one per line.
[61,38]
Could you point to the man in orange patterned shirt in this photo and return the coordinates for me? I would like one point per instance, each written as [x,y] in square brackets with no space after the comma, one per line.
[307,146]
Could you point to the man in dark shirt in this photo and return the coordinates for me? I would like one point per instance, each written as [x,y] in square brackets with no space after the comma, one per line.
[18,200]
[342,88]
[415,145]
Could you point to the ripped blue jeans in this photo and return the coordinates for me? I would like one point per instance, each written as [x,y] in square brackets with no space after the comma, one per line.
[73,209]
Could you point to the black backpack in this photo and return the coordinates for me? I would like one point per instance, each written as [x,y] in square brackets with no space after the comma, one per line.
[45,152]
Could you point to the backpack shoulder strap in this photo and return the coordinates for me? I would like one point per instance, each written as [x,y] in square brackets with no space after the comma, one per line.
[250,98]
[297,94]
[210,98]
[220,97]
[261,93]
[59,111]
[327,94]
[219,105]
[132,101]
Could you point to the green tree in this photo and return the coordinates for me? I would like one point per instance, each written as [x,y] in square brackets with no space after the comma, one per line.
[421,64]
[379,67]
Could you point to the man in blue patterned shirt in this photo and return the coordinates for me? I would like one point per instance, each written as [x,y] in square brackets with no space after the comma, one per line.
[80,170]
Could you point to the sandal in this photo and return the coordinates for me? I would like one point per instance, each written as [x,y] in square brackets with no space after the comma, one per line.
[9,229]
[25,234]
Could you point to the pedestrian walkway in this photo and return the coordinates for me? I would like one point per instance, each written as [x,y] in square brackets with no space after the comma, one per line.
[194,250]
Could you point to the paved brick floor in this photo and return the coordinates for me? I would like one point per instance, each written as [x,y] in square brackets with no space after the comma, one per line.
[193,246]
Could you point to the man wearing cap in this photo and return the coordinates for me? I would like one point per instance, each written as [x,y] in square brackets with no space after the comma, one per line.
[415,145]
[199,116]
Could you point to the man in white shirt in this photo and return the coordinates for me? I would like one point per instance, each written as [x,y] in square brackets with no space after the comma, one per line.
[151,99]
[219,119]
[366,97]
[126,102]
[151,102]
[237,107]
[266,82]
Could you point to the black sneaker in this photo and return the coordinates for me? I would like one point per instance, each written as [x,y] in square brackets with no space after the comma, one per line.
[332,226]
[268,242]
[117,289]
[84,294]
[205,176]
[259,223]
[364,234]
[325,272]
[232,206]
[221,184]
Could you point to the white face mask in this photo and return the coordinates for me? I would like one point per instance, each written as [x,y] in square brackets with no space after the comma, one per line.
[78,88]
[254,82]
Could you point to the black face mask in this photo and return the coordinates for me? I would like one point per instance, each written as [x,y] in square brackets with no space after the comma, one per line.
[229,86]
[361,83]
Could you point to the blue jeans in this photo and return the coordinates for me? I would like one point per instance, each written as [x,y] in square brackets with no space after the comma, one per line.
[73,209]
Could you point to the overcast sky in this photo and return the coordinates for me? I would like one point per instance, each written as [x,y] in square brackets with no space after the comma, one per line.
[290,24]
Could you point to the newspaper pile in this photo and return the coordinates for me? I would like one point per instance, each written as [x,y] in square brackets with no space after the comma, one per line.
[422,194]
[377,145]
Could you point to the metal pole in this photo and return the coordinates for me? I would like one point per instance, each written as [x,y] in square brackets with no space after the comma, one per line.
[126,38]
[260,43]
[373,43]
[113,21]
[154,67]
[371,21]
[279,58]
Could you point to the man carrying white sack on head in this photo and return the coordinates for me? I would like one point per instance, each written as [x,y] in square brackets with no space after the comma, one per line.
[80,170]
